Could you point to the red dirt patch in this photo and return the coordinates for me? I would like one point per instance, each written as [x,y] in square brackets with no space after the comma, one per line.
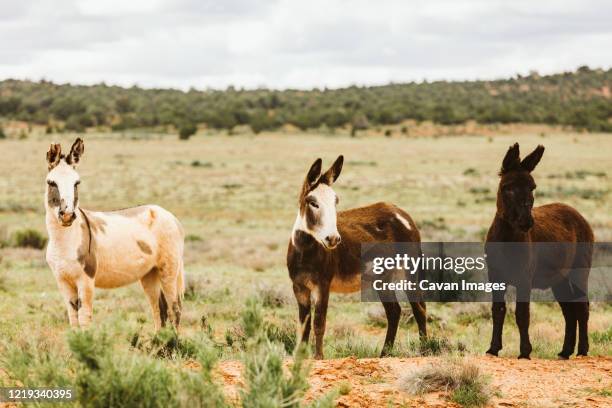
[517,383]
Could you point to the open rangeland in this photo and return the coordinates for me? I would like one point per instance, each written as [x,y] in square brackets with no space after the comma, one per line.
[236,197]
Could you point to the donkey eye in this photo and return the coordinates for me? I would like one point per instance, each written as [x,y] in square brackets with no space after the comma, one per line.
[313,204]
[77,183]
[51,183]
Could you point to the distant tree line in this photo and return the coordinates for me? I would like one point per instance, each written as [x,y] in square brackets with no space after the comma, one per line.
[580,99]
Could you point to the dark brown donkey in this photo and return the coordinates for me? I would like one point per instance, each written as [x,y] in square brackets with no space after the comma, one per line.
[559,226]
[325,248]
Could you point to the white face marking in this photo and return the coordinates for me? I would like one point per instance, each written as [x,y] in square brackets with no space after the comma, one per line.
[65,178]
[321,203]
[403,221]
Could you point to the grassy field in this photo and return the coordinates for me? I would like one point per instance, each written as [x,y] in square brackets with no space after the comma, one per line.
[237,199]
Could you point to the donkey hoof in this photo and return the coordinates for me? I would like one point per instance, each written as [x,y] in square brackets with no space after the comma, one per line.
[492,352]
[564,356]
[580,354]
[524,357]
[318,357]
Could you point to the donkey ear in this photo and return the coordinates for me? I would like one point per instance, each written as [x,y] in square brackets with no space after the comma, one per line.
[54,155]
[512,160]
[531,161]
[332,174]
[314,172]
[76,151]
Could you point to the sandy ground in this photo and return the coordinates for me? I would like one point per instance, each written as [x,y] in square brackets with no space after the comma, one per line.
[516,383]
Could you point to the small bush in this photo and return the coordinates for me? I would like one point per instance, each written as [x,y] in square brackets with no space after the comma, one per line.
[187,130]
[602,337]
[284,334]
[105,378]
[354,347]
[344,388]
[193,238]
[462,381]
[29,238]
[268,385]
[194,287]
[31,362]
[272,297]
[197,163]
[167,344]
[430,346]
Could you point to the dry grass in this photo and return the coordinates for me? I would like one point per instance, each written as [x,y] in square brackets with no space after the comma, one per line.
[461,380]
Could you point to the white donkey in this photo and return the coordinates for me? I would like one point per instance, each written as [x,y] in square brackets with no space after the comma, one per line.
[89,249]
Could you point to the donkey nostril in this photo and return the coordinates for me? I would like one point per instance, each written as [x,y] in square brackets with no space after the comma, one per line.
[332,240]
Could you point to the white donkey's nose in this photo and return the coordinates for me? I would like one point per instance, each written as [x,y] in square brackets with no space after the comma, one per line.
[66,217]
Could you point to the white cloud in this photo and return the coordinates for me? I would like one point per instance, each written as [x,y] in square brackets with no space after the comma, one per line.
[297,44]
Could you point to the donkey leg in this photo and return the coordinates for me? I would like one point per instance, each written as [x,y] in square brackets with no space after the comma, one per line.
[522,321]
[562,293]
[569,340]
[419,310]
[71,299]
[152,289]
[302,295]
[86,295]
[498,313]
[393,312]
[321,301]
[582,314]
[169,285]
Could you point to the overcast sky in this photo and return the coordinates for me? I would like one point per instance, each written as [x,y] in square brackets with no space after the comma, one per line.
[297,44]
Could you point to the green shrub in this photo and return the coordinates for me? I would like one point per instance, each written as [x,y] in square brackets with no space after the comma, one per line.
[197,163]
[105,378]
[284,334]
[166,343]
[353,347]
[602,337]
[267,383]
[272,297]
[429,346]
[29,238]
[187,130]
[31,362]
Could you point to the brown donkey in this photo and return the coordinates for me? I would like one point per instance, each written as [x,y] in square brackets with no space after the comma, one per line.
[517,221]
[325,250]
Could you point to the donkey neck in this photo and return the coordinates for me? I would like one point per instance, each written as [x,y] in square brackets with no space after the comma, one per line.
[306,244]
[506,232]
[59,233]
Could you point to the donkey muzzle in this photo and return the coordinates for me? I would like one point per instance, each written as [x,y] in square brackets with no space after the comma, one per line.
[67,218]
[332,241]
[525,224]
